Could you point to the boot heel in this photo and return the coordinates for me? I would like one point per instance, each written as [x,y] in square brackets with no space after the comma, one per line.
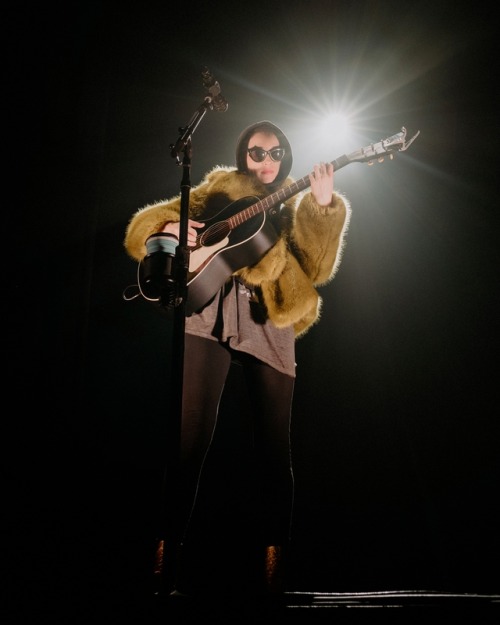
[274,570]
[165,569]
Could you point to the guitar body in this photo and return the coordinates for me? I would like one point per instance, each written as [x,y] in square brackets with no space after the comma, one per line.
[225,251]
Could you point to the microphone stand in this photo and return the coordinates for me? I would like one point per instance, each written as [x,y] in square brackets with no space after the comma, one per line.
[180,273]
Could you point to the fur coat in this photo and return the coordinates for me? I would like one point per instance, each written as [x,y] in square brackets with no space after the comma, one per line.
[306,255]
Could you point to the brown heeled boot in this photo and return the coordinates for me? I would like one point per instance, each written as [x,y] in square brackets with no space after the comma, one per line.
[166,569]
[274,570]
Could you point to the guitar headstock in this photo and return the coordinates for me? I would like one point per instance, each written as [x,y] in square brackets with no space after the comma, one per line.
[377,151]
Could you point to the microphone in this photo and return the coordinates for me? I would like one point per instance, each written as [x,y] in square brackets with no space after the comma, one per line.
[213,88]
[158,282]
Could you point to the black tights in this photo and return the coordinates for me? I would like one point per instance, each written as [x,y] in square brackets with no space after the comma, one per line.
[206,367]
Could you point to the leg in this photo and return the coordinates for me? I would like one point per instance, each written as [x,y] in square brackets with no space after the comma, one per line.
[206,364]
[271,393]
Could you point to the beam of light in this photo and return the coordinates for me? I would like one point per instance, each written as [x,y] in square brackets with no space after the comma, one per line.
[337,125]
[380,80]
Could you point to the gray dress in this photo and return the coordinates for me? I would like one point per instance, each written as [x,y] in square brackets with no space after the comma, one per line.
[234,317]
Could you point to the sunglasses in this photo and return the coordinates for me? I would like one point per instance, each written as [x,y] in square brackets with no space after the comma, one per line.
[259,154]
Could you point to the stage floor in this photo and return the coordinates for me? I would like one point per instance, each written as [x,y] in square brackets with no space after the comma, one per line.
[405,607]
[132,605]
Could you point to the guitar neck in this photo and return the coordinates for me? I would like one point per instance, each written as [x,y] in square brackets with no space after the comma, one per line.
[366,154]
[281,196]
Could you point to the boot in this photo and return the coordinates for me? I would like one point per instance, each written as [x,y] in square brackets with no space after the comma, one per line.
[273,580]
[166,568]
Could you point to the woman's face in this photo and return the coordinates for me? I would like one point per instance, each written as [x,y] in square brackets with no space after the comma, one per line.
[267,169]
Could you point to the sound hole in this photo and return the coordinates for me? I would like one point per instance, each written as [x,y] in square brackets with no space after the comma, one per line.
[215,233]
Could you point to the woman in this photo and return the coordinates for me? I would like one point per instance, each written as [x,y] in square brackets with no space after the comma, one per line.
[253,320]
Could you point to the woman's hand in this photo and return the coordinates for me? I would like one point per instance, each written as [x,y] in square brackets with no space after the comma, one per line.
[322,183]
[172,227]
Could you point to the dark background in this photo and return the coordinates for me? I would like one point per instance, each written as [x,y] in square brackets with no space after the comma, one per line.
[395,436]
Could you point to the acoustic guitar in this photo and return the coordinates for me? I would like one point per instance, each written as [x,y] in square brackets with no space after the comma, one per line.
[241,233]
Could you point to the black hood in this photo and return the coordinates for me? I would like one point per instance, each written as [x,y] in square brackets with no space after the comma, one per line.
[242,146]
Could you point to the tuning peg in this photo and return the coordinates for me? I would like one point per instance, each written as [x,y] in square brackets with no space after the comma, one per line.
[381,159]
[370,163]
[391,156]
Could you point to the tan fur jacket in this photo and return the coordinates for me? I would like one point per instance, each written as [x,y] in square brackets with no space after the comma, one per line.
[306,255]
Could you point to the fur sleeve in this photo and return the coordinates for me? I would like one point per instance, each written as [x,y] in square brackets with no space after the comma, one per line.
[318,237]
[151,218]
